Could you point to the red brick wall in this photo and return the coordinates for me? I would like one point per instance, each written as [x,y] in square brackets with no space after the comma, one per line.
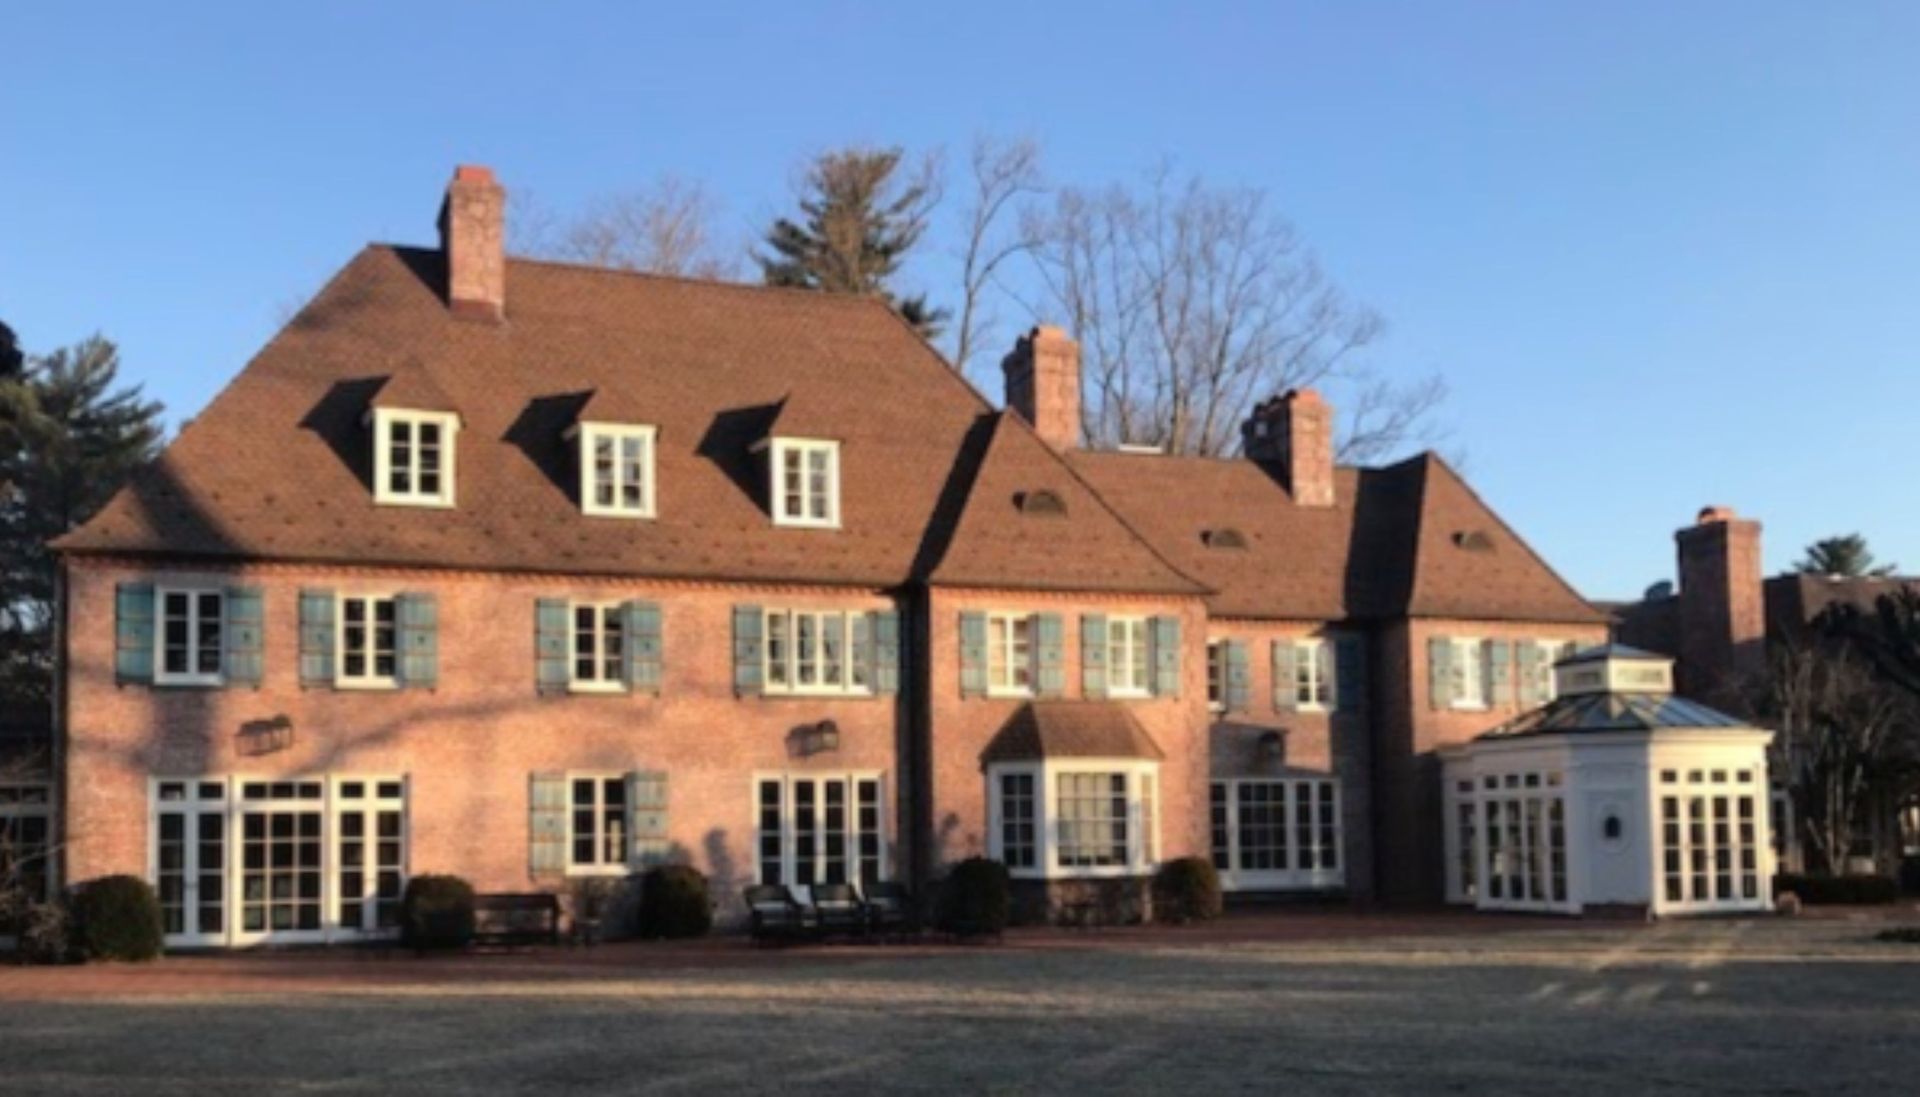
[962,727]
[468,747]
[1408,730]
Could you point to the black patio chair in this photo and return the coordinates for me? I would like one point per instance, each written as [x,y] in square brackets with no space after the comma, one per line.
[890,909]
[773,914]
[837,909]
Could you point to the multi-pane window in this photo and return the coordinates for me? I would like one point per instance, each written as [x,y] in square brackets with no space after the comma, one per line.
[413,460]
[1546,653]
[1091,815]
[1270,832]
[1468,684]
[1217,675]
[597,824]
[819,830]
[617,470]
[598,647]
[813,651]
[1009,653]
[1128,663]
[189,636]
[1019,841]
[369,641]
[1311,688]
[1516,830]
[806,488]
[26,821]
[1710,841]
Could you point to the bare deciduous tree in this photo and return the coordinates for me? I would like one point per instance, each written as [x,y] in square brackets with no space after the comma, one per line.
[1004,173]
[1193,302]
[666,227]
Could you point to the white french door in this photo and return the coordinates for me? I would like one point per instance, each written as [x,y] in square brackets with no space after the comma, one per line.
[190,861]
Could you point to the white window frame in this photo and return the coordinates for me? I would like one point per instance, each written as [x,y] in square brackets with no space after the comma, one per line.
[1133,650]
[1470,692]
[803,449]
[789,836]
[163,677]
[1310,662]
[601,865]
[1001,634]
[617,435]
[782,652]
[1143,816]
[1517,813]
[1292,878]
[369,680]
[384,422]
[1551,652]
[608,623]
[1217,671]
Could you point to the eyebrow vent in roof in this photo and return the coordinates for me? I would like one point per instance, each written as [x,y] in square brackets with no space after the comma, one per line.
[1224,538]
[1042,502]
[1473,540]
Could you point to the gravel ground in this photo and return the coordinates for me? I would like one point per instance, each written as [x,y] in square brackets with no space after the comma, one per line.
[1724,1006]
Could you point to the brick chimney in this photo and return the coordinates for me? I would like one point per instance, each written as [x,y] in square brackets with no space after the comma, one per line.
[1723,629]
[1043,385]
[473,240]
[1295,430]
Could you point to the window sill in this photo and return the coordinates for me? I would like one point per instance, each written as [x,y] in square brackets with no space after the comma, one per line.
[189,683]
[1469,706]
[431,503]
[1012,695]
[597,689]
[604,512]
[1129,694]
[784,691]
[597,870]
[806,523]
[367,685]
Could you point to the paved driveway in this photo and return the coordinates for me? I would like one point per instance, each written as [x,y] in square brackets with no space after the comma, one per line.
[1724,1006]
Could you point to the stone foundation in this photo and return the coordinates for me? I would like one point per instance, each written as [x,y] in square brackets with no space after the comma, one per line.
[1115,901]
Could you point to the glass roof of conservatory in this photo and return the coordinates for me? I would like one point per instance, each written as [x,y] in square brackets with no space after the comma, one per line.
[1614,688]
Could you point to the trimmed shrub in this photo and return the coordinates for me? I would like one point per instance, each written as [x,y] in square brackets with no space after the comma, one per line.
[1186,889]
[436,912]
[45,934]
[1839,890]
[674,903]
[975,899]
[117,918]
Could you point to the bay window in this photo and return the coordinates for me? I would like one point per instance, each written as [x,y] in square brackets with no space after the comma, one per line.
[1087,817]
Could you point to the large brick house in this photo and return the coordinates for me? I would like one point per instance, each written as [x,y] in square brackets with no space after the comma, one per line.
[535,573]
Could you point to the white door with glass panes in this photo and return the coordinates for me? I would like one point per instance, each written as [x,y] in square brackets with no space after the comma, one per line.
[819,830]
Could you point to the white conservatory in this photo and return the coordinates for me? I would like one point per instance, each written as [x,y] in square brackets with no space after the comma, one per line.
[1615,795]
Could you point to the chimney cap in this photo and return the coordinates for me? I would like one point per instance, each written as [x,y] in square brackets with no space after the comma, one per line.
[1713,515]
[473,173]
[1303,396]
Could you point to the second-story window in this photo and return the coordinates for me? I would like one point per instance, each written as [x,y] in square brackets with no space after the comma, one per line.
[616,470]
[1469,670]
[189,637]
[806,482]
[1128,663]
[811,651]
[413,457]
[598,648]
[1009,653]
[1217,675]
[1310,686]
[369,641]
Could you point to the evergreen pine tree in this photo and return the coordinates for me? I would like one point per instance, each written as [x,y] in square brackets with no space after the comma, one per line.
[858,220]
[1844,557]
[70,435]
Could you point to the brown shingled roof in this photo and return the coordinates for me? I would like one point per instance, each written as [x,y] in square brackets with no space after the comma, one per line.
[1071,729]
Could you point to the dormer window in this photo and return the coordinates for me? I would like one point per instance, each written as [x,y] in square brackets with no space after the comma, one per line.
[616,470]
[413,457]
[806,482]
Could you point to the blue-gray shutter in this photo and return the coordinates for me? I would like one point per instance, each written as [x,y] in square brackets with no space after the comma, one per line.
[1166,656]
[1500,673]
[1286,690]
[419,636]
[640,626]
[1532,654]
[647,818]
[885,674]
[1350,672]
[749,656]
[1051,646]
[547,825]
[1439,672]
[1239,677]
[1093,656]
[860,648]
[133,631]
[551,621]
[973,654]
[242,635]
[316,638]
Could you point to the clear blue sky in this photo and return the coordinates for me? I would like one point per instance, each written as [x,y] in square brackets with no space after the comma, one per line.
[1665,254]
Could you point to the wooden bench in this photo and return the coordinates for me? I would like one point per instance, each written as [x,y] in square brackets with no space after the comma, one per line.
[516,919]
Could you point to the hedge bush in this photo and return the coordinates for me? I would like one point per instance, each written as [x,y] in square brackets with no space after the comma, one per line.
[1839,890]
[674,902]
[975,899]
[1186,889]
[117,918]
[436,912]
